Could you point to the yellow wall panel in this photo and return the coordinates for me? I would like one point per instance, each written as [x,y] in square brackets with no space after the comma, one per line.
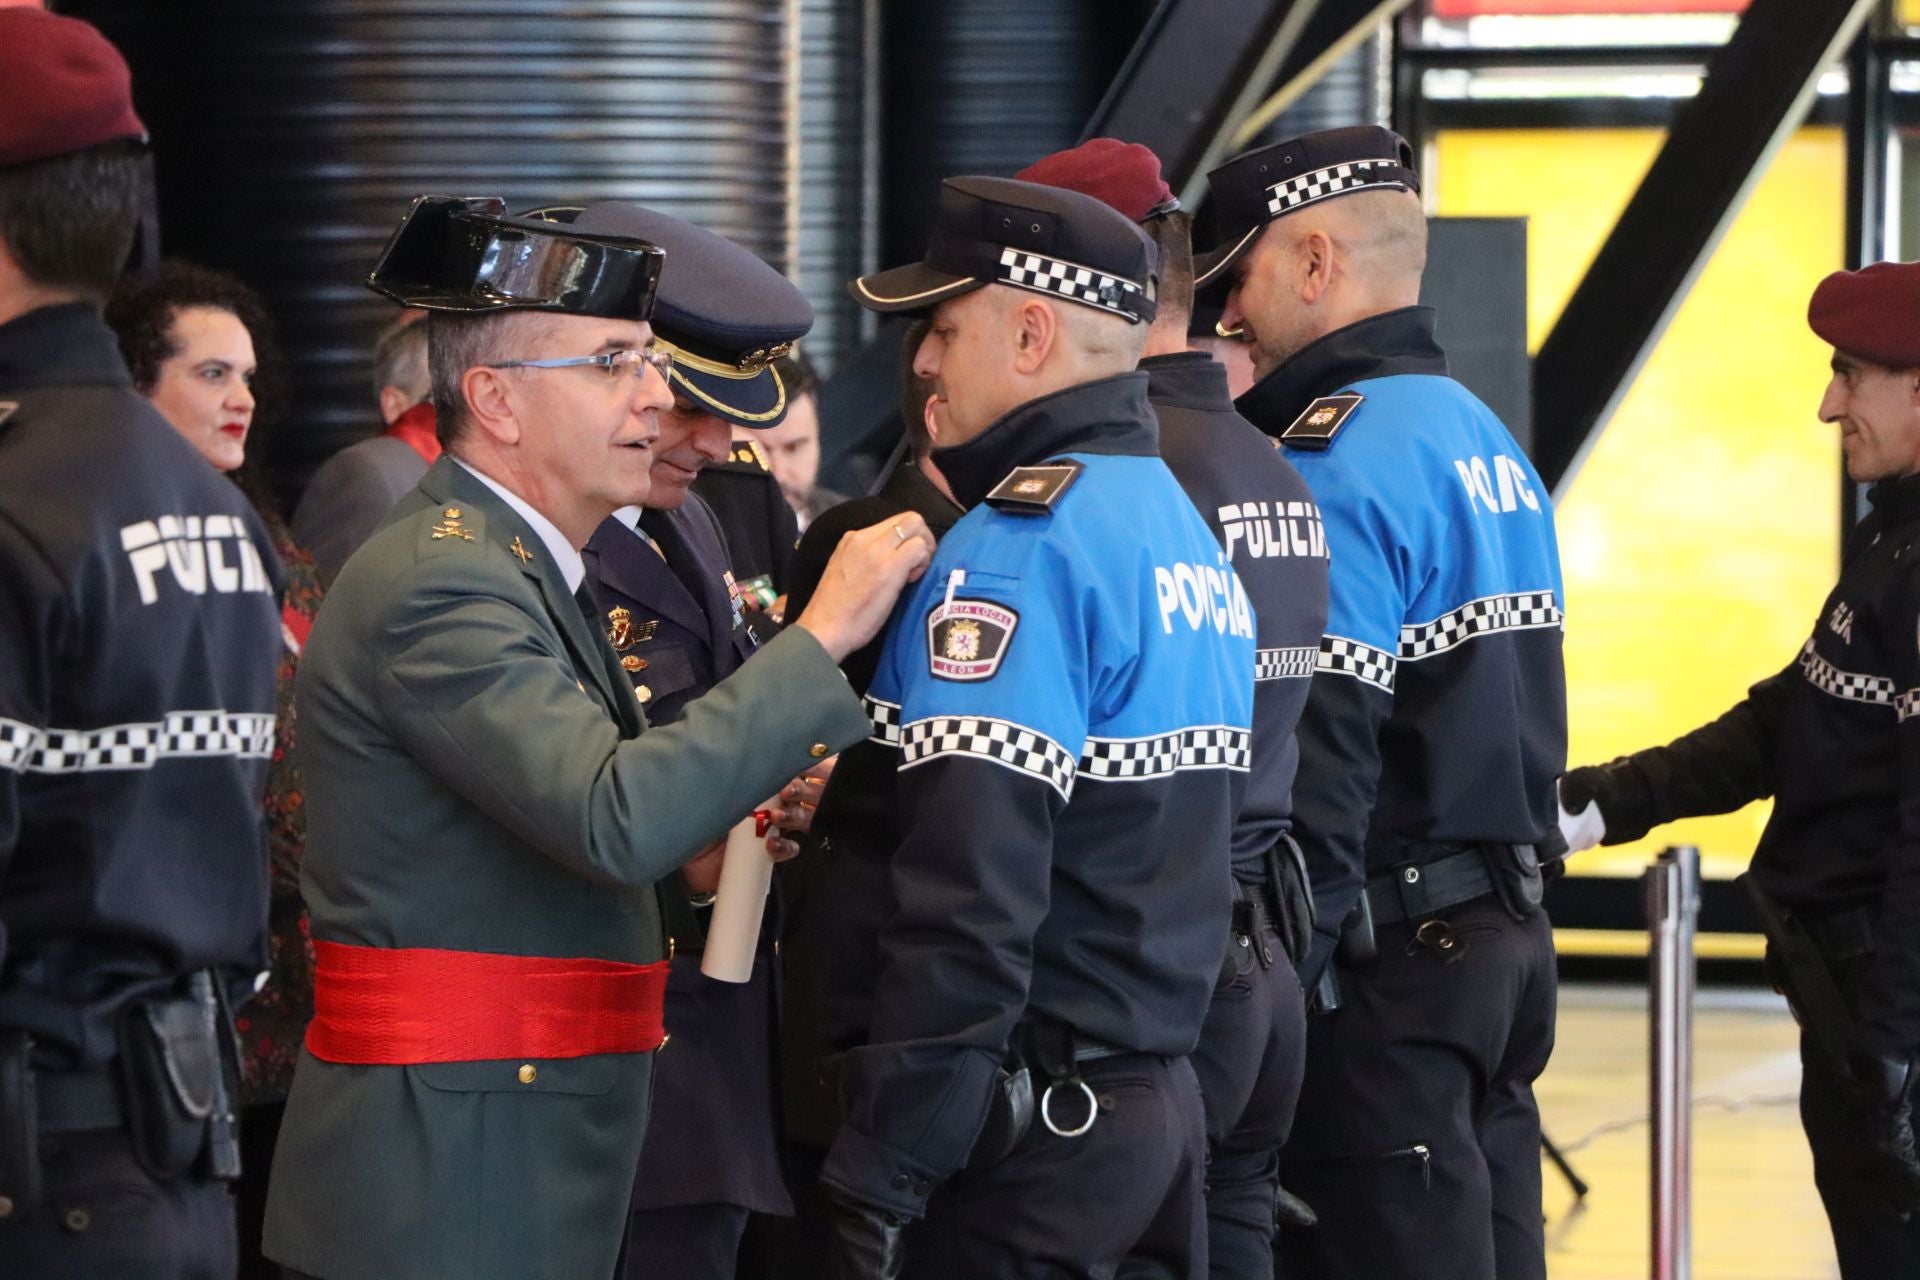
[1702,533]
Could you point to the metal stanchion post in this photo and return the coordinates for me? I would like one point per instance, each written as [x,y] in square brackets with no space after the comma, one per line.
[1673,906]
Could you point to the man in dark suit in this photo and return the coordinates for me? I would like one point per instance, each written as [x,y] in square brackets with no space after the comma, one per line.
[488,813]
[667,595]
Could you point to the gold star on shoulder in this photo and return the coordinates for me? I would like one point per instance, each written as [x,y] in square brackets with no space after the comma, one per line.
[450,526]
[524,554]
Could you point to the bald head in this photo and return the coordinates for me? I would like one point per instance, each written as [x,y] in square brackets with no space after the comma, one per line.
[1327,266]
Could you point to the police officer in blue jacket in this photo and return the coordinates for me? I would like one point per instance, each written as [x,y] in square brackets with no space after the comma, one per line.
[1252,1051]
[662,578]
[1070,694]
[1433,731]
[139,637]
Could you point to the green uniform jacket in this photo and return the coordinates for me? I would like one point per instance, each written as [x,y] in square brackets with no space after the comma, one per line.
[480,778]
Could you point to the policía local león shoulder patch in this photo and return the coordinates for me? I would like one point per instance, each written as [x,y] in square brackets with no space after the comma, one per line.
[1320,421]
[966,639]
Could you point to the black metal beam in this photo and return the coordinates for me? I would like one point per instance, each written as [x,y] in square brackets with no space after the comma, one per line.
[1869,126]
[1195,72]
[1756,90]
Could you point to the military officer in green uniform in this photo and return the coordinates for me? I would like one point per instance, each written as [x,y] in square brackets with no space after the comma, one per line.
[487,811]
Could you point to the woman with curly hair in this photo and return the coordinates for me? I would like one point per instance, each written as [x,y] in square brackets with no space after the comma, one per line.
[200,347]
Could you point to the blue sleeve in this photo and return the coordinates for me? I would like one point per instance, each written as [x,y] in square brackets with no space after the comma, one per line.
[1351,696]
[990,738]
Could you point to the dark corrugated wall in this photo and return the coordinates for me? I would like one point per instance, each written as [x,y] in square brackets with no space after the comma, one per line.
[836,219]
[289,137]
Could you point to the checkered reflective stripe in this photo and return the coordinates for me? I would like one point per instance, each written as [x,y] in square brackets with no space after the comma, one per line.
[1042,274]
[1851,685]
[999,741]
[1361,661]
[1284,664]
[886,721]
[1203,747]
[1908,703]
[1524,611]
[1283,197]
[182,735]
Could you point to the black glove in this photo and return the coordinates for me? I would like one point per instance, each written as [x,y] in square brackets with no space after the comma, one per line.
[868,1244]
[1289,1210]
[1887,1087]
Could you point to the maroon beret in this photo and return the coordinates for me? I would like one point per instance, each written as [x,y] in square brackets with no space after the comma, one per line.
[1872,313]
[62,87]
[1124,175]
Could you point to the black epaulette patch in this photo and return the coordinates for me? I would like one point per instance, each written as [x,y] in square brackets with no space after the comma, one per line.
[1317,424]
[747,455]
[1032,491]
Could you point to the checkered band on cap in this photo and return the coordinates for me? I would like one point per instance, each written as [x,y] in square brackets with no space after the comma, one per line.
[1201,747]
[999,741]
[886,721]
[1852,686]
[1335,179]
[1361,661]
[1055,276]
[1284,664]
[182,735]
[1523,611]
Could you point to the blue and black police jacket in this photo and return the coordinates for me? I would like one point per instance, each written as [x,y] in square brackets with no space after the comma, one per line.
[1437,715]
[1069,689]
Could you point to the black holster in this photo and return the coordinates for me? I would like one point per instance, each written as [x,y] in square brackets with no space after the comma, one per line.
[175,1055]
[19,1126]
[1518,880]
[1009,1116]
[1292,897]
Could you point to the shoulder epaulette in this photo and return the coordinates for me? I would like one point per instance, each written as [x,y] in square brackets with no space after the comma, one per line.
[453,526]
[1320,421]
[1033,491]
[746,455]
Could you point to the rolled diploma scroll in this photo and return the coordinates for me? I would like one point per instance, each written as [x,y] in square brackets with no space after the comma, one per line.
[746,874]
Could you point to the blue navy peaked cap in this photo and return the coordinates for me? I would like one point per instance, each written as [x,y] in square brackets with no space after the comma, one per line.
[724,315]
[1030,236]
[1253,189]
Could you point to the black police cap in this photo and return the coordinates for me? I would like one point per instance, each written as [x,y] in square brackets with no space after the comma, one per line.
[464,254]
[1046,239]
[1252,190]
[723,314]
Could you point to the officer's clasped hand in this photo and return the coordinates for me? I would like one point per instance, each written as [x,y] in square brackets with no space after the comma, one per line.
[1886,1085]
[863,579]
[868,1244]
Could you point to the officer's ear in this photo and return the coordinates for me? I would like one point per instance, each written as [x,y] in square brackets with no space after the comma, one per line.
[1314,264]
[1036,327]
[490,399]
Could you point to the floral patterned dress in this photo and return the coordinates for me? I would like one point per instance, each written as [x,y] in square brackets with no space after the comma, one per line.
[273,1023]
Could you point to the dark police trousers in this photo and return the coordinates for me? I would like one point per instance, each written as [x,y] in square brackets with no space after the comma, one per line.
[1872,1243]
[103,1217]
[1074,1208]
[1417,1140]
[1250,1060]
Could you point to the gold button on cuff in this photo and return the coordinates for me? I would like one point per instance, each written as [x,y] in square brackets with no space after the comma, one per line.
[818,751]
[528,1073]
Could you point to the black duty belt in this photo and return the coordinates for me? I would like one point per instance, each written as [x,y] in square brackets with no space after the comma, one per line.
[1420,890]
[79,1101]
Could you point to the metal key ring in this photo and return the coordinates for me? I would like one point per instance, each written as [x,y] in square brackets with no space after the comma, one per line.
[1046,1115]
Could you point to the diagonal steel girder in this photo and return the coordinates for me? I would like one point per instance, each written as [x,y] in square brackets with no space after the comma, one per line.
[1756,91]
[1196,71]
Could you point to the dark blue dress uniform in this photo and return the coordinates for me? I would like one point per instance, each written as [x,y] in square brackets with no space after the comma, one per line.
[1252,1051]
[139,637]
[682,619]
[762,530]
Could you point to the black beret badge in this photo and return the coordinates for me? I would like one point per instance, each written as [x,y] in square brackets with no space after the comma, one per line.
[966,639]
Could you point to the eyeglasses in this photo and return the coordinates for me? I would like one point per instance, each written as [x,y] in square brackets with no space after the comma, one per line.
[617,363]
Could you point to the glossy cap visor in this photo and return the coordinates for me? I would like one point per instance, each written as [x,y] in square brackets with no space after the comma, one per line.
[464,254]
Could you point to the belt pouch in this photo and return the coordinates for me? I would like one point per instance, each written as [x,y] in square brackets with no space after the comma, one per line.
[1009,1116]
[1293,898]
[1515,872]
[170,1078]
[1358,948]
[19,1125]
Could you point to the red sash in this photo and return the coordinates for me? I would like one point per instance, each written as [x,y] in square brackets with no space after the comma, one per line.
[394,1006]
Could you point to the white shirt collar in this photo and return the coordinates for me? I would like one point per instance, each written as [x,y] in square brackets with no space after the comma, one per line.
[629,516]
[564,553]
